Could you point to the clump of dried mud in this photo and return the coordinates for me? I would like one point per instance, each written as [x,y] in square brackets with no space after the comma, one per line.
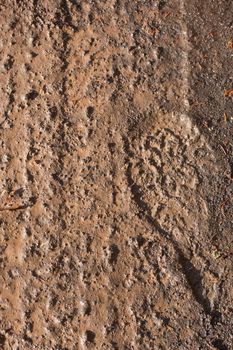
[115,210]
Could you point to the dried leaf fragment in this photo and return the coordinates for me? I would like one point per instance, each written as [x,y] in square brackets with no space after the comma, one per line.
[230,45]
[228,93]
[226,117]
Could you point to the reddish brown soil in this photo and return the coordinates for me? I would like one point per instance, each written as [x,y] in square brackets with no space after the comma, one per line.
[116,174]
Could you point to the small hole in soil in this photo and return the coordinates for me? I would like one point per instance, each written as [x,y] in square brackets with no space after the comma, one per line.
[111,147]
[28,231]
[30,176]
[9,63]
[141,240]
[90,112]
[2,339]
[33,200]
[32,95]
[160,52]
[19,192]
[114,254]
[161,4]
[28,339]
[53,112]
[91,18]
[57,178]
[218,344]
[215,317]
[87,309]
[90,336]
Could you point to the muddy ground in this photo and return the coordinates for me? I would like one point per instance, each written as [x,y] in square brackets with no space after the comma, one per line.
[116,174]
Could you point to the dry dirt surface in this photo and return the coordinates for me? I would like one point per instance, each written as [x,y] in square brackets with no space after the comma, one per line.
[116,174]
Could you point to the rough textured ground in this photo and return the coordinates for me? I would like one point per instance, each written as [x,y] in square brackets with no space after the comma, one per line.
[116,174]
